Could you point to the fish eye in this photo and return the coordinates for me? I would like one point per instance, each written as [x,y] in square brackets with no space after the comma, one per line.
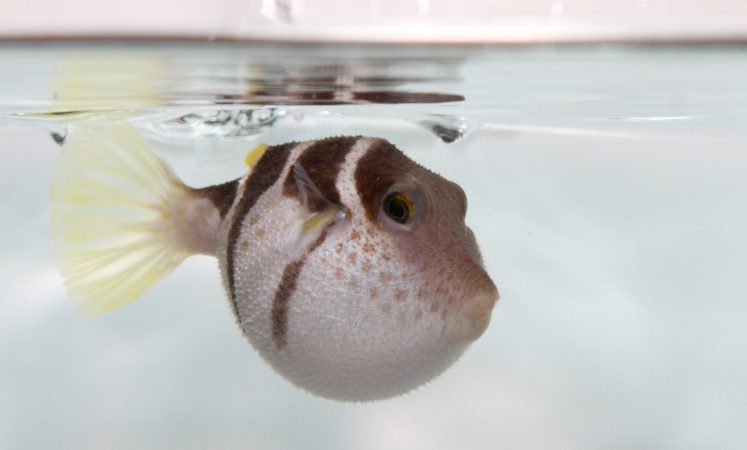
[399,207]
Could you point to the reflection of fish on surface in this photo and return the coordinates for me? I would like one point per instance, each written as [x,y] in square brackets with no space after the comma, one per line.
[95,82]
[348,266]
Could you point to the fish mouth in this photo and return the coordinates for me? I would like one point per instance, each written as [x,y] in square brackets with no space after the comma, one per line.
[475,314]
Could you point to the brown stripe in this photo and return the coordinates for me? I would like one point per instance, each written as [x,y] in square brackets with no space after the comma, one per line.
[285,289]
[220,195]
[377,170]
[264,174]
[322,162]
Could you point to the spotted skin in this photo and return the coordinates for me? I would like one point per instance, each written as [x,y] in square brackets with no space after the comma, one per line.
[362,308]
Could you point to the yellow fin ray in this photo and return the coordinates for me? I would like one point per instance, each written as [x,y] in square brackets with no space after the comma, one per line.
[109,222]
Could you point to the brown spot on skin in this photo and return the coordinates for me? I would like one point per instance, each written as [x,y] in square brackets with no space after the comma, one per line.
[322,161]
[385,277]
[386,256]
[338,247]
[253,219]
[368,247]
[444,315]
[244,246]
[366,266]
[352,258]
[374,291]
[354,235]
[434,307]
[338,273]
[260,232]
[386,308]
[354,283]
[399,295]
[265,174]
[418,315]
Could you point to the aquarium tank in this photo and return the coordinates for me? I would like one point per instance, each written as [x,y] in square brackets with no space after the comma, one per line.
[596,151]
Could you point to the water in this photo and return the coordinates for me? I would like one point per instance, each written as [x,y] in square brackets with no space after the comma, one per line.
[606,188]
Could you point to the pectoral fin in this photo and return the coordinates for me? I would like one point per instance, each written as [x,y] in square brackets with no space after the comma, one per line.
[313,226]
[318,213]
[321,220]
[311,197]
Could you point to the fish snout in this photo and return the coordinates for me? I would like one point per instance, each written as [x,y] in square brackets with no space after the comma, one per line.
[474,315]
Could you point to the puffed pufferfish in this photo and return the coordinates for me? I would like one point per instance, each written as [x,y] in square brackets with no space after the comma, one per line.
[348,266]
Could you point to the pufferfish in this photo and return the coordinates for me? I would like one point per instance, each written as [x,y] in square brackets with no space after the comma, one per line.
[347,265]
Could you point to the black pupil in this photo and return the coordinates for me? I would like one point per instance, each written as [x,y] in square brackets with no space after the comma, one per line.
[397,208]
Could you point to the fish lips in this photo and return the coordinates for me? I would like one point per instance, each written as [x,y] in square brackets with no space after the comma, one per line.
[474,314]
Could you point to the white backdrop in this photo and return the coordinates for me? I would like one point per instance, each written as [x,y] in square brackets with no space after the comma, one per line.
[380,20]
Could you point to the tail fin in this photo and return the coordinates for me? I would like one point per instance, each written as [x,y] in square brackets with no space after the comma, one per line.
[111,203]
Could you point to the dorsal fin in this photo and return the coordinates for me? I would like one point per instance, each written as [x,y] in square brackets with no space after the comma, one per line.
[254,154]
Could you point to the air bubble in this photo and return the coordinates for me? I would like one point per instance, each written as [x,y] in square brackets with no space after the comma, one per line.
[59,135]
[447,128]
[220,123]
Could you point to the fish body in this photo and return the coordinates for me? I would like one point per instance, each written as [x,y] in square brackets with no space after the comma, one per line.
[347,265]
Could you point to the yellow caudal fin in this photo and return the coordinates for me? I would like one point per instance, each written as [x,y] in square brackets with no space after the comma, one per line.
[111,226]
